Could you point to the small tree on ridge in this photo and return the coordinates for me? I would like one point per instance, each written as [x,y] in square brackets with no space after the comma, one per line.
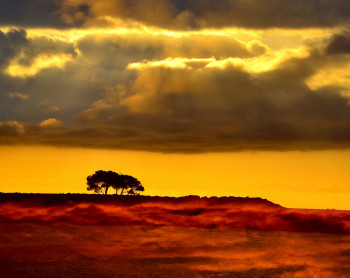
[100,181]
[129,184]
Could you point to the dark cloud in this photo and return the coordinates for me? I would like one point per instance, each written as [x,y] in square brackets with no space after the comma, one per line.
[178,14]
[198,13]
[272,13]
[34,13]
[339,44]
[11,43]
[11,128]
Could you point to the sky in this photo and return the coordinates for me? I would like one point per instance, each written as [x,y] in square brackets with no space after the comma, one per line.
[203,97]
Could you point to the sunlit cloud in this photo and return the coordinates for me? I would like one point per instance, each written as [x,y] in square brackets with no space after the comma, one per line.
[333,76]
[52,122]
[181,63]
[41,62]
[18,95]
[263,63]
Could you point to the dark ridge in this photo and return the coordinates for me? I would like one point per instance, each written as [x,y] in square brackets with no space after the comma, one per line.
[40,199]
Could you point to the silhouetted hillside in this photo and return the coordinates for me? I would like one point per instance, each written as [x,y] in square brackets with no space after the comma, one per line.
[62,199]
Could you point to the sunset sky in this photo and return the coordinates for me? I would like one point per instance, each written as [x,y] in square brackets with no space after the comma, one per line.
[201,97]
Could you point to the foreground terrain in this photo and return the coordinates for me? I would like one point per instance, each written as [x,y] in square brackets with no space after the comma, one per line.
[99,236]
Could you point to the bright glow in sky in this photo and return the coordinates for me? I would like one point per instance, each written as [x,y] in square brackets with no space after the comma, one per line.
[292,179]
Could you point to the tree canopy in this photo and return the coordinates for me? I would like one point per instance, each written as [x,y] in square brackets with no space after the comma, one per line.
[101,180]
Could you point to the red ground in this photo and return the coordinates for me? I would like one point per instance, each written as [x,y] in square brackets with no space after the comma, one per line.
[42,236]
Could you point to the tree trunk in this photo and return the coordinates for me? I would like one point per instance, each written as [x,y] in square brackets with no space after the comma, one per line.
[106,190]
[122,191]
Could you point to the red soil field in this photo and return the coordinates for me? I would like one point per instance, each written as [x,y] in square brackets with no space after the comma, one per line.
[76,235]
[191,211]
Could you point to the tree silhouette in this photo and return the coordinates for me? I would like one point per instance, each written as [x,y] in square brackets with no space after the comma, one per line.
[100,181]
[129,184]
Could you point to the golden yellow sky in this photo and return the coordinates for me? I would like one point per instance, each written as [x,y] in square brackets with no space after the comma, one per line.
[317,179]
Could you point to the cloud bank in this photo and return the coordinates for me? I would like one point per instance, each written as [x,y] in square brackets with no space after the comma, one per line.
[186,76]
[198,14]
